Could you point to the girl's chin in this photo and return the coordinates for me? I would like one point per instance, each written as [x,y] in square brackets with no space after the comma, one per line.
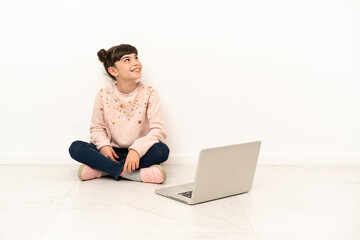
[134,76]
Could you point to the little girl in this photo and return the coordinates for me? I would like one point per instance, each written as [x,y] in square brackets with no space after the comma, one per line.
[127,128]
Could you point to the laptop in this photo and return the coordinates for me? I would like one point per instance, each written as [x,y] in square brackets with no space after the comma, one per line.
[221,172]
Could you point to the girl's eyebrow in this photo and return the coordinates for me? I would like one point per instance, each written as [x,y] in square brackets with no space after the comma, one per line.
[126,56]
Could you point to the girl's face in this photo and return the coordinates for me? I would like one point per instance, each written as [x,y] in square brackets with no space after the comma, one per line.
[127,68]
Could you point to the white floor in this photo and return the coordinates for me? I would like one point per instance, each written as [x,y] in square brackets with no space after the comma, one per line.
[286,202]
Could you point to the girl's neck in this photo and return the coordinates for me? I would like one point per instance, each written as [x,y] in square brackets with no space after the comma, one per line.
[126,86]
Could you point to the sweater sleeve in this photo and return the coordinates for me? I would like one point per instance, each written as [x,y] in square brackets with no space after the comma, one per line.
[157,130]
[98,132]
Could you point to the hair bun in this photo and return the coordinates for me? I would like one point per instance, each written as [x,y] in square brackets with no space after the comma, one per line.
[102,55]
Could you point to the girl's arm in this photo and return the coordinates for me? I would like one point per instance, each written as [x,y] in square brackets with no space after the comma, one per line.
[157,127]
[98,132]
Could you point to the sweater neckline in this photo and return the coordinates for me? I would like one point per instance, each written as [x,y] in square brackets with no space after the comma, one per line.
[127,95]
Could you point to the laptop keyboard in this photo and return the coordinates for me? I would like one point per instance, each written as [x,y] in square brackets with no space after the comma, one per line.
[186,194]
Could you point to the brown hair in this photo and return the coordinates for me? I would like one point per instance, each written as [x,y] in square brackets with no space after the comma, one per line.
[114,54]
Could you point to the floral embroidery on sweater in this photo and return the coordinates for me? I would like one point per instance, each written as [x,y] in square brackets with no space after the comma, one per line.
[124,110]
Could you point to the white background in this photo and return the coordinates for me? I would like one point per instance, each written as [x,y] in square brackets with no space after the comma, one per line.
[284,72]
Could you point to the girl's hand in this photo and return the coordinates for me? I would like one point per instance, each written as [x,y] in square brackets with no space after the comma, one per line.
[109,152]
[132,162]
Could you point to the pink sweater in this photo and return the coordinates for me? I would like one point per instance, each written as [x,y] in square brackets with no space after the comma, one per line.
[132,120]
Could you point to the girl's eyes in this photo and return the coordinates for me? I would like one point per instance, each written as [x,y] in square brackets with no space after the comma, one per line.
[129,59]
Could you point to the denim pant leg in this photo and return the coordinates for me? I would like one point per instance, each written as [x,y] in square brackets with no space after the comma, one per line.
[157,154]
[88,154]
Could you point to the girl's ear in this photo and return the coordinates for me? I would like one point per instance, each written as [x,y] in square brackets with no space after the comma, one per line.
[112,71]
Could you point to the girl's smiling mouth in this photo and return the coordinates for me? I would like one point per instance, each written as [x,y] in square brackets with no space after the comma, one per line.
[136,70]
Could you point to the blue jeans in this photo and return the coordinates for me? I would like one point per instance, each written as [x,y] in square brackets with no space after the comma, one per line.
[87,153]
